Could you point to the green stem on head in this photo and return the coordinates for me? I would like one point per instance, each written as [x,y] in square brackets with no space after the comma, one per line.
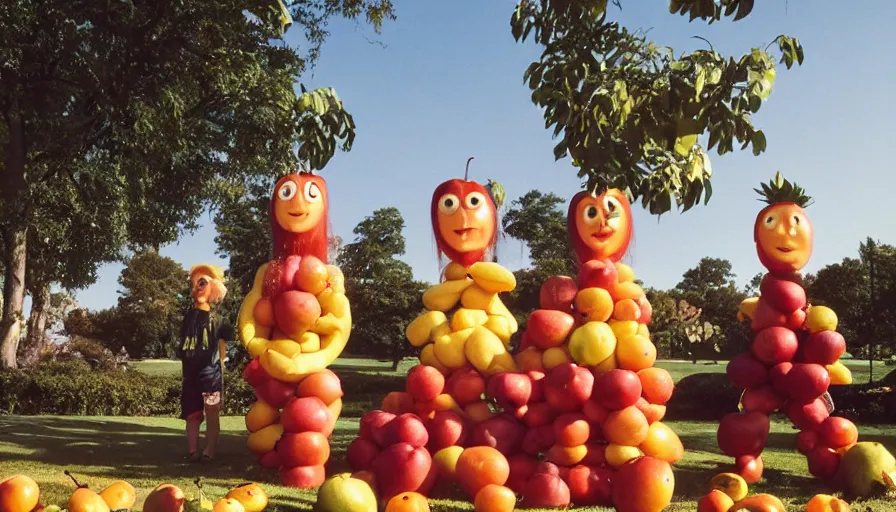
[467,171]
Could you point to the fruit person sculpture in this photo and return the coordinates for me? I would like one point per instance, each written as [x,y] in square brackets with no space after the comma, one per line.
[202,352]
[295,322]
[795,351]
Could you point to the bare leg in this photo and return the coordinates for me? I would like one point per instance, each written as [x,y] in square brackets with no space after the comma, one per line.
[193,423]
[212,424]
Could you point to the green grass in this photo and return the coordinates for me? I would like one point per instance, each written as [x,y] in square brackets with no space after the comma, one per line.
[147,451]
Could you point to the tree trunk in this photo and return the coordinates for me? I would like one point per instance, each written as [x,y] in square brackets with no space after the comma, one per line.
[13,298]
[36,337]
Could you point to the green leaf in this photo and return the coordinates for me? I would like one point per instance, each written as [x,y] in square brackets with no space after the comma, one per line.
[701,81]
[759,142]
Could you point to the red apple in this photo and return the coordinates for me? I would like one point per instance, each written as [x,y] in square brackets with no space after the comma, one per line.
[275,393]
[596,413]
[465,385]
[617,389]
[312,275]
[522,467]
[743,433]
[558,293]
[254,374]
[446,429]
[590,486]
[774,345]
[806,382]
[807,416]
[398,402]
[501,432]
[509,389]
[646,310]
[544,490]
[425,383]
[823,462]
[747,372]
[539,413]
[749,467]
[303,477]
[837,432]
[596,452]
[402,468]
[538,440]
[766,316]
[307,414]
[303,449]
[777,375]
[763,399]
[270,460]
[824,347]
[549,328]
[598,274]
[537,379]
[807,440]
[407,428]
[280,276]
[361,453]
[373,426]
[572,429]
[782,294]
[568,386]
[295,312]
[797,320]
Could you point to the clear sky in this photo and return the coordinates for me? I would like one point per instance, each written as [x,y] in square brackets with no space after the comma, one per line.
[448,85]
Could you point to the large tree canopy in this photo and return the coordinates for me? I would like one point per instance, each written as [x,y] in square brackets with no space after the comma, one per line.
[629,112]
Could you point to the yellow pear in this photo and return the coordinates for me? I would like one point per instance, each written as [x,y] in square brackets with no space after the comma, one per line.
[444,296]
[592,343]
[492,277]
[500,326]
[429,358]
[498,308]
[475,297]
[484,350]
[419,331]
[465,318]
[449,349]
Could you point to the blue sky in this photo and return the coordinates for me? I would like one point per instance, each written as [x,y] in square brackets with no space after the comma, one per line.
[448,85]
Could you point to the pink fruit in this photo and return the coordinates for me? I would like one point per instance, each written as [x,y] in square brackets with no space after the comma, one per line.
[806,382]
[501,432]
[548,328]
[617,389]
[270,460]
[522,467]
[777,375]
[746,372]
[646,310]
[307,414]
[539,413]
[445,429]
[254,374]
[425,383]
[546,491]
[807,416]
[743,433]
[823,462]
[749,467]
[767,316]
[302,477]
[558,293]
[465,385]
[763,399]
[311,276]
[774,345]
[373,426]
[537,379]
[598,274]
[783,295]
[275,393]
[509,389]
[407,428]
[539,439]
[590,486]
[568,386]
[403,468]
[361,453]
[824,347]
[295,312]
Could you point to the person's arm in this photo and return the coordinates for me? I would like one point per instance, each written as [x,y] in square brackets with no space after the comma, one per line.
[224,333]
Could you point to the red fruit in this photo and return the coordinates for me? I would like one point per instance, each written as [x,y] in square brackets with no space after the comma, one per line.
[510,389]
[781,294]
[766,316]
[425,383]
[546,491]
[746,372]
[466,386]
[598,274]
[824,347]
[590,486]
[303,477]
[446,429]
[572,429]
[806,441]
[538,440]
[823,462]
[743,433]
[275,393]
[596,413]
[568,386]
[774,345]
[372,426]
[295,312]
[558,292]
[270,460]
[548,328]
[618,389]
[749,467]
[807,416]
[361,453]
[303,449]
[643,485]
[807,381]
[646,310]
[777,375]
[499,432]
[596,455]
[763,399]
[254,374]
[521,468]
[837,432]
[548,468]
[539,413]
[796,320]
[307,414]
[537,379]
[652,412]
[407,428]
[402,468]
[398,402]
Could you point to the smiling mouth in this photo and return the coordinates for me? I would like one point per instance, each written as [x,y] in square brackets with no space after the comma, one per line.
[784,249]
[297,215]
[602,235]
[463,231]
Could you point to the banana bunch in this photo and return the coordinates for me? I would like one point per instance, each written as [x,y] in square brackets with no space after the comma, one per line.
[290,357]
[467,323]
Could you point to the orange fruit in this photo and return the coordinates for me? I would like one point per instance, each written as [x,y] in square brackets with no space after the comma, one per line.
[530,360]
[731,484]
[18,493]
[323,384]
[826,503]
[571,429]
[494,498]
[478,411]
[656,385]
[398,403]
[567,455]
[626,310]
[763,502]
[555,356]
[479,466]
[626,427]
[663,443]
[715,501]
[837,432]
[629,290]
[408,502]
[647,482]
[635,353]
[652,412]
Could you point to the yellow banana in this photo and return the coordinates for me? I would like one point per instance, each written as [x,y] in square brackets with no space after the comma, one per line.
[287,348]
[486,352]
[246,327]
[332,302]
[335,279]
[492,277]
[449,349]
[443,329]
[475,297]
[327,324]
[455,272]
[465,318]
[500,326]
[419,332]
[309,343]
[294,369]
[429,358]
[498,308]
[444,296]
[748,307]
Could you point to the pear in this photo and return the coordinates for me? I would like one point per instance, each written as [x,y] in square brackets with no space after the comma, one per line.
[867,469]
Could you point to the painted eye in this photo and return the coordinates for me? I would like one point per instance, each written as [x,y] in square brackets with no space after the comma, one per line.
[202,282]
[796,220]
[287,191]
[474,200]
[312,192]
[612,205]
[770,221]
[448,204]
[591,214]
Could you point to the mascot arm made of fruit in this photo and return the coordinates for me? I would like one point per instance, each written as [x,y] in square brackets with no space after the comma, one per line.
[465,224]
[296,319]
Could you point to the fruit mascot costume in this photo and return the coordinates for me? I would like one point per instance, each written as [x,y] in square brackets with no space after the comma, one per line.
[294,323]
[795,352]
[202,350]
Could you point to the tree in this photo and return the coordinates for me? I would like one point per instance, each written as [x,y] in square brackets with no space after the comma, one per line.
[141,113]
[381,288]
[48,312]
[709,273]
[629,112]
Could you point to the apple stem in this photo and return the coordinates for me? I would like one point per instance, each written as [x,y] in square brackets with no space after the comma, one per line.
[79,485]
[467,171]
[198,482]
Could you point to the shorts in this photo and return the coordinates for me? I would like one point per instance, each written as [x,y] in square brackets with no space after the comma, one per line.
[199,392]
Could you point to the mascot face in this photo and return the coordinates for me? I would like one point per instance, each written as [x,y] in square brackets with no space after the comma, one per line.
[464,220]
[600,226]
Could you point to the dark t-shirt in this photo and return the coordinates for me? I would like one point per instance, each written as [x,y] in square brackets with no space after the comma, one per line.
[199,337]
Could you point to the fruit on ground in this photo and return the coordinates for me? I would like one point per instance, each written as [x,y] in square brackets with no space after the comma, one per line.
[164,498]
[361,453]
[826,503]
[759,503]
[86,500]
[228,505]
[731,484]
[408,502]
[750,467]
[494,498]
[715,501]
[250,495]
[479,466]
[590,485]
[19,493]
[823,462]
[643,485]
[838,432]
[302,477]
[743,433]
[862,469]
[119,495]
[344,493]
